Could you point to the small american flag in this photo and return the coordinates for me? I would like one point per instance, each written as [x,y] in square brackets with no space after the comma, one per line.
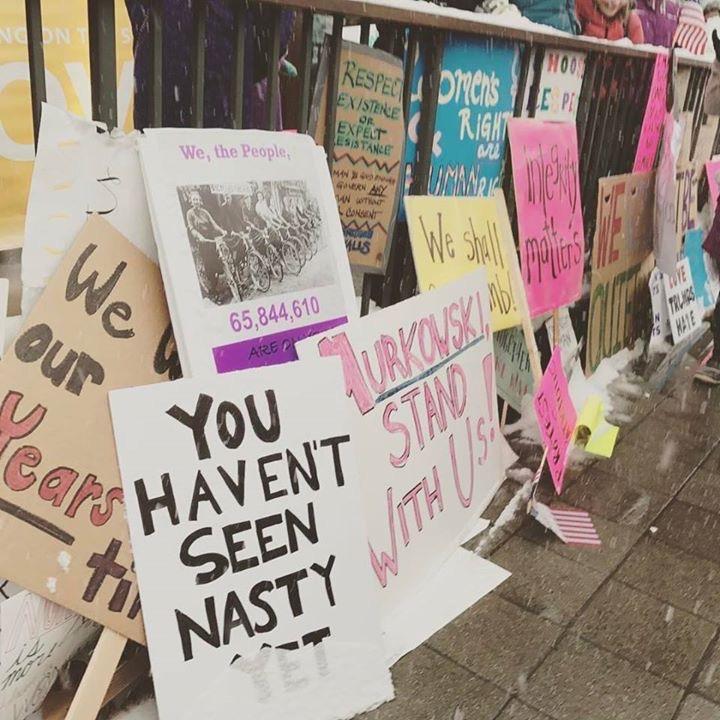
[573,527]
[691,34]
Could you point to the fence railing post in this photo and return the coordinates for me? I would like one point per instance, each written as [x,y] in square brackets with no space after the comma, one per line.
[103,73]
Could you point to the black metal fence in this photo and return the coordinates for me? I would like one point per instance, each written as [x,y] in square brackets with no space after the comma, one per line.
[610,108]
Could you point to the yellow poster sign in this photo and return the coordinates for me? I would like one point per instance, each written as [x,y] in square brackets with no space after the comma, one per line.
[65,40]
[451,236]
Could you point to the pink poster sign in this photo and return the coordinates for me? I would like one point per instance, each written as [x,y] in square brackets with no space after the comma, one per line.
[556,417]
[712,168]
[652,126]
[550,224]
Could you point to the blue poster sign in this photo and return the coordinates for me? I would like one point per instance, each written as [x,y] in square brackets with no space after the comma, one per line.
[476,99]
[694,252]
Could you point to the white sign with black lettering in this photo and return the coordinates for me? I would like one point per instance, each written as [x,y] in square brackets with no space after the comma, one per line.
[244,510]
[682,305]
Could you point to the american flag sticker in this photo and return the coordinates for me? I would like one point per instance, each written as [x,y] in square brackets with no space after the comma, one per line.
[573,527]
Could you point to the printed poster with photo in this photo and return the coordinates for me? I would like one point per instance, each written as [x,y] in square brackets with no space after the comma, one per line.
[243,494]
[250,244]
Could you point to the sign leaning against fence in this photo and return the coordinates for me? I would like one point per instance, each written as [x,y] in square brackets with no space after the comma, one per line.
[451,237]
[369,142]
[559,85]
[420,384]
[622,261]
[250,550]
[549,211]
[101,324]
[476,99]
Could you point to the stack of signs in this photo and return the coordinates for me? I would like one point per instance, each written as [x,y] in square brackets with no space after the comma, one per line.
[250,244]
[79,171]
[369,140]
[451,237]
[549,212]
[420,384]
[654,117]
[242,505]
[100,324]
[476,99]
[513,372]
[621,265]
[38,637]
[684,312]
[559,85]
[556,417]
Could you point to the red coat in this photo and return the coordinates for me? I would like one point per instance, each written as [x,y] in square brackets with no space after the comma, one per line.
[595,24]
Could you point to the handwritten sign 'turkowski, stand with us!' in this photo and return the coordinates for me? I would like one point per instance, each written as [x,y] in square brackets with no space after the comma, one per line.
[243,498]
[420,384]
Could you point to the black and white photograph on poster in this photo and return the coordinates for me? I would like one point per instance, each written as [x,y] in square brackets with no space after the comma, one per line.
[255,238]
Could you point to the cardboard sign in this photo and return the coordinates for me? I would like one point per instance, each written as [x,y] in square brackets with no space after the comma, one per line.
[450,237]
[684,312]
[621,265]
[38,637]
[654,117]
[253,261]
[101,324]
[556,417]
[661,320]
[712,168]
[559,85]
[243,498]
[685,200]
[369,147]
[513,374]
[549,211]
[420,383]
[666,240]
[476,99]
[80,171]
[693,251]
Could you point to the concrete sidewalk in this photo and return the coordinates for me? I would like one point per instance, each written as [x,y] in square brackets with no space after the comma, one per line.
[628,631]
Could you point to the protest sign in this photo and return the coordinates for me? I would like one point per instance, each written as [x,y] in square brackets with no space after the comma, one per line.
[566,341]
[513,375]
[101,324]
[594,434]
[684,312]
[685,200]
[550,224]
[559,85]
[556,417]
[476,99]
[661,321]
[245,503]
[712,168]
[79,171]
[368,151]
[251,263]
[420,384]
[666,242]
[654,118]
[67,76]
[693,251]
[38,637]
[621,265]
[451,236]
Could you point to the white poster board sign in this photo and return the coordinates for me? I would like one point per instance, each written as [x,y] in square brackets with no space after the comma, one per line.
[242,495]
[559,85]
[251,247]
[566,339]
[78,171]
[38,637]
[661,321]
[684,313]
[420,384]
